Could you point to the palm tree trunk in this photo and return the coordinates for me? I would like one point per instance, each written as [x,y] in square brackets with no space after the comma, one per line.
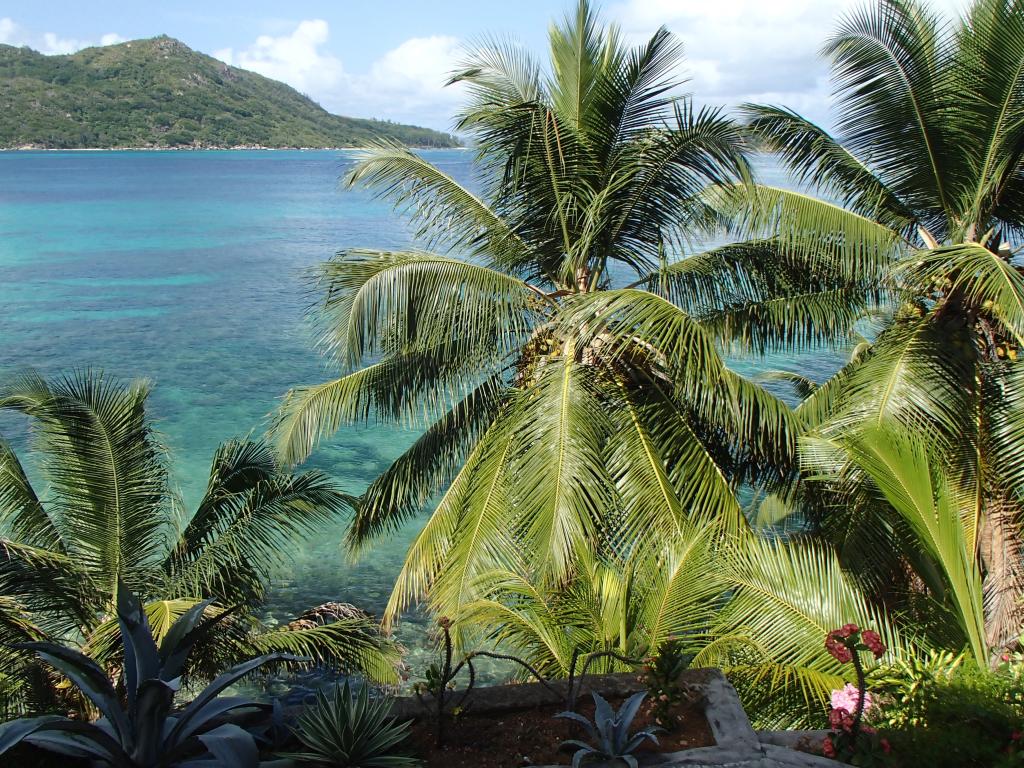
[999,546]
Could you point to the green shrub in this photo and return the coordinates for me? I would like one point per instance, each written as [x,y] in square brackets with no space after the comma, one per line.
[938,712]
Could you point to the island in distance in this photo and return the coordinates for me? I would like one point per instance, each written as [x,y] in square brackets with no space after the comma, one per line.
[160,94]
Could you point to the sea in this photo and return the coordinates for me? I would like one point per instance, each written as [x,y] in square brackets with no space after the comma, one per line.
[190,269]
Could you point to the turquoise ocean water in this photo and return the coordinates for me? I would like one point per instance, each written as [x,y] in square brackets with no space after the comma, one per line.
[186,268]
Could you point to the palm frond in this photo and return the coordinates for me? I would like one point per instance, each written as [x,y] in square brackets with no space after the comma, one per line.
[914,483]
[658,183]
[971,275]
[467,533]
[427,466]
[413,386]
[912,378]
[803,386]
[522,618]
[386,301]
[628,322]
[822,235]
[241,533]
[680,591]
[816,159]
[51,587]
[21,512]
[350,644]
[890,63]
[104,464]
[789,323]
[636,94]
[661,436]
[770,635]
[581,53]
[990,66]
[1004,412]
[562,490]
[429,197]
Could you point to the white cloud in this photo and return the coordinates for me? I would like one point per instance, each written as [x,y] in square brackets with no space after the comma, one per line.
[49,43]
[750,50]
[8,29]
[295,58]
[405,84]
[55,45]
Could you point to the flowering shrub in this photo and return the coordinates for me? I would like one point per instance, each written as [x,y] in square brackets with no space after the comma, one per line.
[850,740]
[847,698]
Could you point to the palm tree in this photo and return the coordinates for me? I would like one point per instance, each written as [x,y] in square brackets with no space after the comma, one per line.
[922,200]
[628,608]
[107,516]
[757,608]
[562,415]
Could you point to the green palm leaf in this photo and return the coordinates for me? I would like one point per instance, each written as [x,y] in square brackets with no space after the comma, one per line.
[104,464]
[241,533]
[428,194]
[941,515]
[770,635]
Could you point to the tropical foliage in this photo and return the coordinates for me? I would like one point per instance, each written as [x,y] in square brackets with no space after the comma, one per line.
[348,730]
[924,180]
[562,338]
[572,425]
[108,516]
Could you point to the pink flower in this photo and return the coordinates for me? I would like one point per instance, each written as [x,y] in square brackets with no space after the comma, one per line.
[848,629]
[873,642]
[836,717]
[847,698]
[828,748]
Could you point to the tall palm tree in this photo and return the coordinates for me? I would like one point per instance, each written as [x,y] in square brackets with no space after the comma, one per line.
[107,516]
[924,180]
[562,358]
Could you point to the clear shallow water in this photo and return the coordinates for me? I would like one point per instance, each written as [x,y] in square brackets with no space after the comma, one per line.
[186,268]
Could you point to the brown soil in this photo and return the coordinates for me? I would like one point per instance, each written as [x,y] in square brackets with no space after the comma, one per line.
[532,737]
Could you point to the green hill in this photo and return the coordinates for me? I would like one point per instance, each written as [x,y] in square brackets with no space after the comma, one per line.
[160,93]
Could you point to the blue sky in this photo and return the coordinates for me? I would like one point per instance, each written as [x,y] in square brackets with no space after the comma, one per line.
[387,58]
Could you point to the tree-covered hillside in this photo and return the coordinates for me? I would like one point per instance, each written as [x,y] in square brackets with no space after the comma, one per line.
[160,93]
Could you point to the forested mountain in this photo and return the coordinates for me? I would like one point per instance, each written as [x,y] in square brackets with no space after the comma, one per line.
[160,93]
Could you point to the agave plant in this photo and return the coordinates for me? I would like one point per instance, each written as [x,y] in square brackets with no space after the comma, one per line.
[109,513]
[351,731]
[610,732]
[145,732]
